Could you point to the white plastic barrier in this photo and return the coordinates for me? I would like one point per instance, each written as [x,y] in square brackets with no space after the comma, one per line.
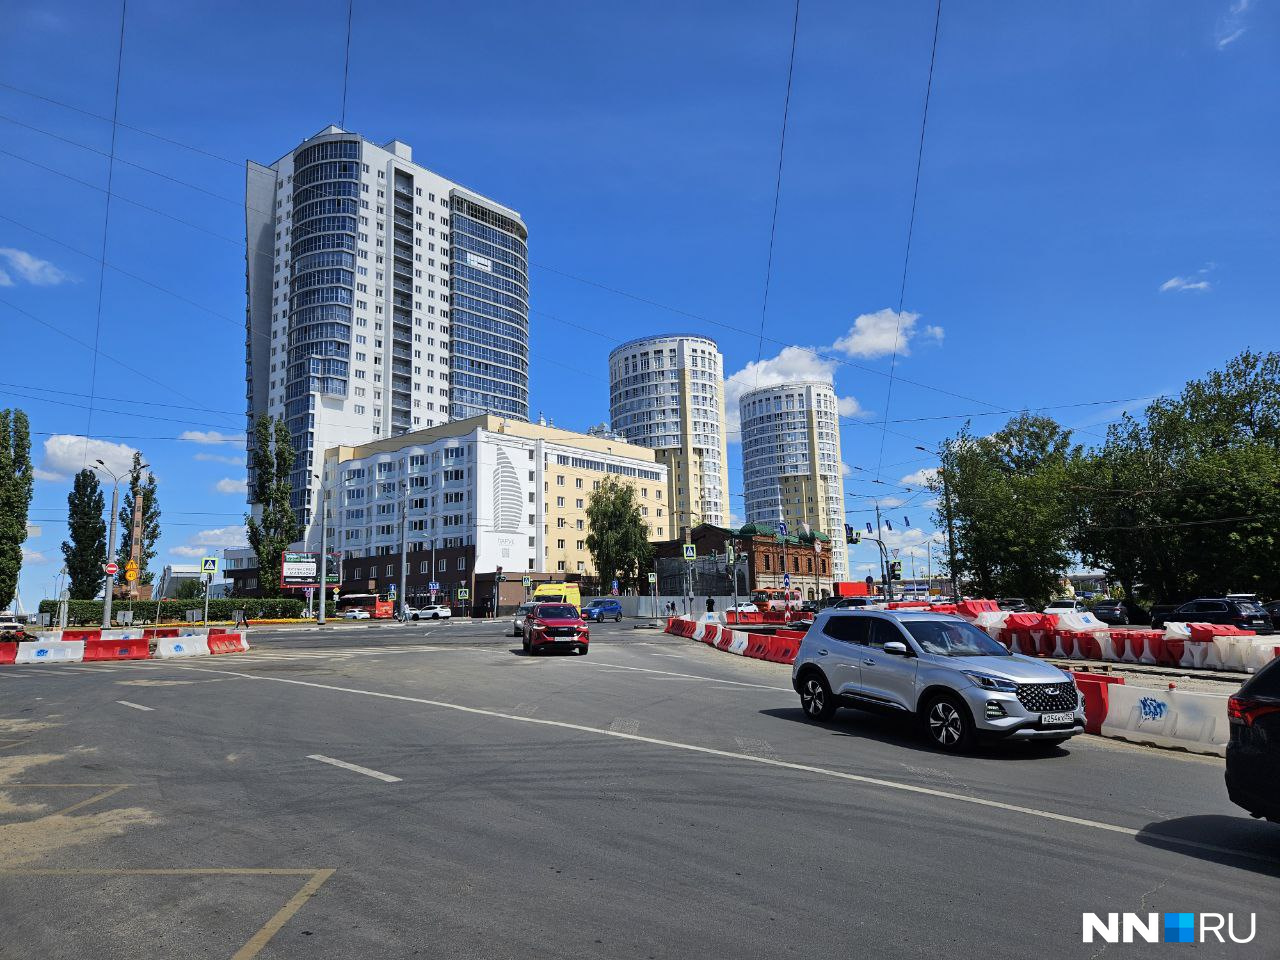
[127,633]
[1077,621]
[1259,652]
[1168,718]
[168,648]
[738,644]
[50,651]
[1108,646]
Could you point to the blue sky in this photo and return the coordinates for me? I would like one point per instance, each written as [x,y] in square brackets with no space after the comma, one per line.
[1097,210]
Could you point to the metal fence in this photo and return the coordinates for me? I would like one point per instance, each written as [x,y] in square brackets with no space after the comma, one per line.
[704,577]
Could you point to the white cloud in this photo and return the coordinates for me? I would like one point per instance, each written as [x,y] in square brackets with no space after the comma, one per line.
[912,542]
[882,333]
[1231,27]
[1185,283]
[33,556]
[920,478]
[33,270]
[210,436]
[66,454]
[850,407]
[845,469]
[209,541]
[33,531]
[219,458]
[48,475]
[228,485]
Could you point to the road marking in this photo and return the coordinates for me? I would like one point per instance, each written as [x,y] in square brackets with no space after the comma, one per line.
[691,676]
[136,706]
[259,939]
[1098,825]
[673,656]
[384,777]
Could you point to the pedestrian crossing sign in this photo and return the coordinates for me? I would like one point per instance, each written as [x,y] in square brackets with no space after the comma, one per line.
[209,565]
[690,552]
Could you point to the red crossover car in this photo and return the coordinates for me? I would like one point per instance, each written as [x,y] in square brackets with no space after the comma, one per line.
[555,626]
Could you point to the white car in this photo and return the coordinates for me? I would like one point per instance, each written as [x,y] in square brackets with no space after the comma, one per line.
[745,608]
[356,614]
[1066,606]
[517,622]
[429,612]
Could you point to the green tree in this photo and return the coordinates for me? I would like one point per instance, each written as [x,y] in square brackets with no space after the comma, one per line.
[190,588]
[618,536]
[1185,502]
[86,551]
[150,519]
[1009,508]
[15,498]
[276,526]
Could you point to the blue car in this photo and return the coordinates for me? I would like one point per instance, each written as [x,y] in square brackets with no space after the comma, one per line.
[600,610]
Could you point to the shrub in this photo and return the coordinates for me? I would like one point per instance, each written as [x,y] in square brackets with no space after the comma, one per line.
[89,612]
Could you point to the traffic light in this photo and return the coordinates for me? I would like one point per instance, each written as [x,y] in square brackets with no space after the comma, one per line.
[895,570]
[851,535]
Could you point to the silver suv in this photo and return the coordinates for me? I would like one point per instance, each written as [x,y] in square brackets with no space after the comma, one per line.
[956,679]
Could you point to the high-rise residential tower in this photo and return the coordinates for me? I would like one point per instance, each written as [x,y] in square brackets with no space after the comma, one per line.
[667,392]
[791,461]
[382,299]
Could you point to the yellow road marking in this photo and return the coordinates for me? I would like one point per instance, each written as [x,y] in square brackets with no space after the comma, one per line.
[253,947]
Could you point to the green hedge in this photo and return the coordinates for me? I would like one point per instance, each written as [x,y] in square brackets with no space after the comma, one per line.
[89,612]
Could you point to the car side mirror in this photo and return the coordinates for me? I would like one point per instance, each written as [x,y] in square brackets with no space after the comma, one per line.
[896,647]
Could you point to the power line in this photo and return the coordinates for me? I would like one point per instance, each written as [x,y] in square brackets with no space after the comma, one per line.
[106,227]
[346,65]
[911,225]
[145,403]
[777,187]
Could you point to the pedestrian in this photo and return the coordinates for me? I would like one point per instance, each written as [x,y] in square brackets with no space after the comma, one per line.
[711,604]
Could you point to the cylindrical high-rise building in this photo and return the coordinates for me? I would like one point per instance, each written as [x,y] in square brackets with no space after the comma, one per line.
[791,461]
[667,392]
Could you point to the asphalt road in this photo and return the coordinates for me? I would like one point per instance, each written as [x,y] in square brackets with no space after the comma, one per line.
[653,799]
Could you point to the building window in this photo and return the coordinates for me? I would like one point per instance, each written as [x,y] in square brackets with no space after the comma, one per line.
[559,480]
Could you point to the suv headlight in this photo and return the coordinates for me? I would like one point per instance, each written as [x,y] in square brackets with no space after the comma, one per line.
[988,682]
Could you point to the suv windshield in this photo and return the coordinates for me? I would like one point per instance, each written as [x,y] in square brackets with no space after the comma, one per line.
[557,611]
[952,638]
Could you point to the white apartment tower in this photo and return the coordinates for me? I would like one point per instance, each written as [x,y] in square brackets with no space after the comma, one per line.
[382,299]
[791,461]
[667,392]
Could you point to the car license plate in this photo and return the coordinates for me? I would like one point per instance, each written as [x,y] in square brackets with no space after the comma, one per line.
[564,639]
[1051,719]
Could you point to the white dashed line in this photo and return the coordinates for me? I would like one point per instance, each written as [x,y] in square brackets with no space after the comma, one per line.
[384,777]
[136,706]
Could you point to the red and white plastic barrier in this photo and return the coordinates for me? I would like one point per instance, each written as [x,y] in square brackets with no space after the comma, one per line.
[93,645]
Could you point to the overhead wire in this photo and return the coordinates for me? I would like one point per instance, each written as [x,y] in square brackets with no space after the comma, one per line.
[911,224]
[106,228]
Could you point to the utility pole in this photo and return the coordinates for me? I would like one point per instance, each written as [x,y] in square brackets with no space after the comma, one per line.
[951,536]
[884,573]
[324,548]
[109,578]
[404,526]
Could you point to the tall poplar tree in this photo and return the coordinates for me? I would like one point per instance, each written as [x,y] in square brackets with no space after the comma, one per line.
[15,498]
[276,526]
[86,551]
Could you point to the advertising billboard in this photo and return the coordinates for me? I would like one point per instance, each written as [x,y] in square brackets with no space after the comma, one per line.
[301,570]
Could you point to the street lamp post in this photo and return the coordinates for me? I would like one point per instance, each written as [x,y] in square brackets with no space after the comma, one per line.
[404,535]
[108,578]
[951,533]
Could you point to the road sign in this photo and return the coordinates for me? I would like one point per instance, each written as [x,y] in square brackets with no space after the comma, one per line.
[110,569]
[786,580]
[391,591]
[526,582]
[894,551]
[690,552]
[209,565]
[131,571]
[501,578]
[434,586]
[653,578]
[782,527]
[464,593]
[614,589]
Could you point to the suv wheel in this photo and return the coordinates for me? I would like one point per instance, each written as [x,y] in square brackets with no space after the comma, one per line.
[948,724]
[815,697]
[618,618]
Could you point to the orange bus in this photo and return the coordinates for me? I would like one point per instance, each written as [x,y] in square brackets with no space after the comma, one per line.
[375,604]
[770,598]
